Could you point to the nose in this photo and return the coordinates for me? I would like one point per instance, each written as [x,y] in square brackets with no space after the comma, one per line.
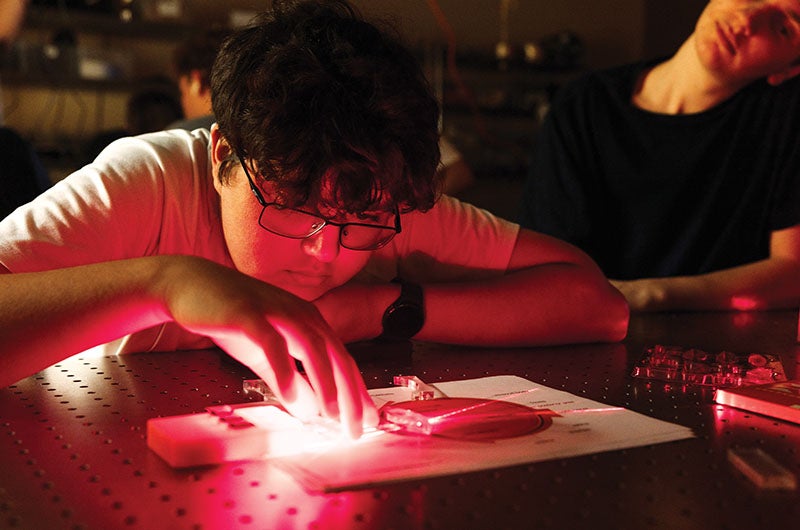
[744,21]
[324,245]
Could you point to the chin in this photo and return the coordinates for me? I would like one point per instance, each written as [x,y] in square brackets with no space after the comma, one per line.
[307,293]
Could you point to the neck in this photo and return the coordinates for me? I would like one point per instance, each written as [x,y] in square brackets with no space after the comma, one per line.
[681,85]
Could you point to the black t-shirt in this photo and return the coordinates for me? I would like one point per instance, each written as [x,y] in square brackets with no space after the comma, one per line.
[653,195]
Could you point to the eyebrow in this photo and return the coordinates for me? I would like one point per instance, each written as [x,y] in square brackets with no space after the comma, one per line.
[371,215]
[375,213]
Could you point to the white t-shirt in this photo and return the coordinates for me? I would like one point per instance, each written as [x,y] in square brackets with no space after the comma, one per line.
[153,195]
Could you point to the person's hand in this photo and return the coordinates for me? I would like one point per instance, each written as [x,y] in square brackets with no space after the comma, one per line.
[642,295]
[266,328]
[354,310]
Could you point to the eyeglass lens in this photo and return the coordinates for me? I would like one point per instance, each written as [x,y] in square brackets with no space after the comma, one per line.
[298,224]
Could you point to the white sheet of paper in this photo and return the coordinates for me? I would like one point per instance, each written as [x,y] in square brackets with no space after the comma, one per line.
[583,427]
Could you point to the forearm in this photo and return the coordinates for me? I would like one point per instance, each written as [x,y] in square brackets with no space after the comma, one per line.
[47,316]
[769,284]
[554,303]
[547,304]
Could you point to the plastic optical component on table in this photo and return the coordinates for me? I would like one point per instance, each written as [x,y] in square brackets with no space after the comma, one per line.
[762,469]
[693,366]
[229,433]
[250,431]
[258,386]
[431,412]
[419,389]
[464,418]
[394,417]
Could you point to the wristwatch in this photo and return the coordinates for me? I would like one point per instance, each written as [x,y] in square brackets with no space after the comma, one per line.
[405,316]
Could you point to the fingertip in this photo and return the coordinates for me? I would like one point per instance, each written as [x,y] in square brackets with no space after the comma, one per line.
[304,406]
[331,408]
[355,429]
[371,418]
[352,422]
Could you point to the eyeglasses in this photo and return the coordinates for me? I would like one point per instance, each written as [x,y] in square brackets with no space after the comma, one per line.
[300,224]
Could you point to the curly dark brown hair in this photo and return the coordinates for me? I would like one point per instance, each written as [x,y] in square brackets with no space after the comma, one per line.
[313,95]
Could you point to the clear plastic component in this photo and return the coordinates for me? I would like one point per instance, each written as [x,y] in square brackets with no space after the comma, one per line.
[693,366]
[258,386]
[398,418]
[762,469]
[419,389]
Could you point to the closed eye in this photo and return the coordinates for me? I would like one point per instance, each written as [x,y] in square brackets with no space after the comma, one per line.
[791,24]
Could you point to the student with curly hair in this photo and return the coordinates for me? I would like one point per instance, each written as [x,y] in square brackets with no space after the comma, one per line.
[307,217]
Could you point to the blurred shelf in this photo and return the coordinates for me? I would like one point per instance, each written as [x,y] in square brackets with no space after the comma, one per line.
[68,82]
[105,23]
[64,61]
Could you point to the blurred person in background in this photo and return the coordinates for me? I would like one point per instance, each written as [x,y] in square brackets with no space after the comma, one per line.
[22,174]
[681,176]
[192,63]
[12,14]
[147,110]
[454,171]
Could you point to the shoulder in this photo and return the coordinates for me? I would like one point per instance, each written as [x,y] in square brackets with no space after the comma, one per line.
[453,240]
[138,170]
[202,122]
[159,183]
[142,169]
[786,93]
[452,221]
[767,107]
[174,152]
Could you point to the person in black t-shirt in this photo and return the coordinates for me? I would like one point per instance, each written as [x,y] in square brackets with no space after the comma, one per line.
[681,177]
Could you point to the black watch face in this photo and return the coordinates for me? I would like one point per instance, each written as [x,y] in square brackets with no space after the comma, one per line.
[404,321]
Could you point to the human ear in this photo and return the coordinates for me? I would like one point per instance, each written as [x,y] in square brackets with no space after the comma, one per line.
[196,83]
[784,75]
[220,150]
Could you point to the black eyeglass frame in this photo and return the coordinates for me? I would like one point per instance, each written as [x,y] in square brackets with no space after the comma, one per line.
[260,198]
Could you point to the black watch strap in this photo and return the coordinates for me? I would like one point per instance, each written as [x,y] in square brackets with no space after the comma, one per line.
[405,316]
